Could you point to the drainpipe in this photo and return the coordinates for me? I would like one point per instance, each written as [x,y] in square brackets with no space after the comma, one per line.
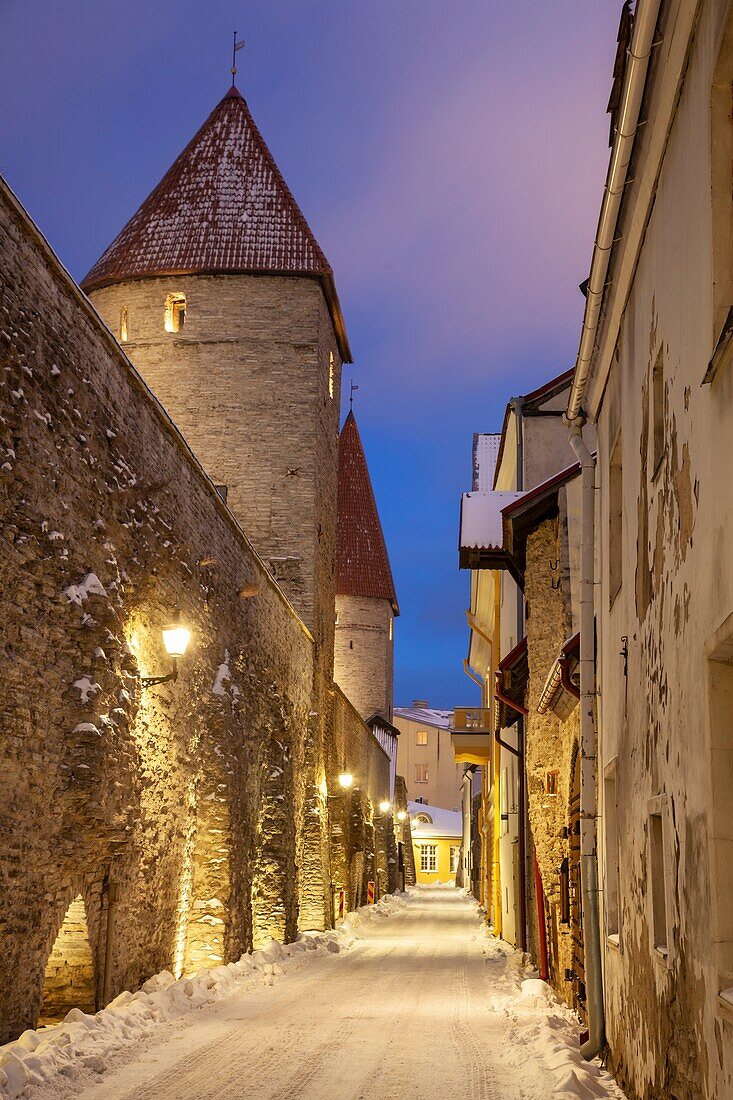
[637,63]
[519,754]
[588,749]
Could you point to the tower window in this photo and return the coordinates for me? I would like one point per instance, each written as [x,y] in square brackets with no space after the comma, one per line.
[175,312]
[330,374]
[123,325]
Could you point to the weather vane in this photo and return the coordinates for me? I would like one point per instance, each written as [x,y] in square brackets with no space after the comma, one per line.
[235,46]
[351,395]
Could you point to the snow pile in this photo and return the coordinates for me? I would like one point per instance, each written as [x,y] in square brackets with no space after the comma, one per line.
[544,1025]
[86,1042]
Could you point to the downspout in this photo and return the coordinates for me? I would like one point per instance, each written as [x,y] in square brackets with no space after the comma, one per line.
[645,22]
[519,754]
[588,750]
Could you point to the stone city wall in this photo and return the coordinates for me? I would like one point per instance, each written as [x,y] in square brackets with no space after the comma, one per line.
[173,811]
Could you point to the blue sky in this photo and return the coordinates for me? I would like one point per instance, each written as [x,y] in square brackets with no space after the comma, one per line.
[450,159]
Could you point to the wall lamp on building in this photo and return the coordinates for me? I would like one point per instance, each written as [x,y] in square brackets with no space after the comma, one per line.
[175,639]
[401,815]
[385,807]
[346,779]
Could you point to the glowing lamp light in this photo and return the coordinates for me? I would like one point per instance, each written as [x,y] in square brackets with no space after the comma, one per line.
[384,807]
[346,780]
[176,639]
[401,815]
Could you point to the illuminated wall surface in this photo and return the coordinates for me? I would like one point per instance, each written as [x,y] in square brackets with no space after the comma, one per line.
[171,819]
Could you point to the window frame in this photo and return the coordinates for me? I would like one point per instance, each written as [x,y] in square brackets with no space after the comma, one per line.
[421,770]
[659,852]
[421,738]
[429,853]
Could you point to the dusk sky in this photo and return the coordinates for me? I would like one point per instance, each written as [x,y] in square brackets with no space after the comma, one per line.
[450,159]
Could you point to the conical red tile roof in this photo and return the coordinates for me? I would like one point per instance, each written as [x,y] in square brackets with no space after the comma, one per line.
[222,208]
[362,563]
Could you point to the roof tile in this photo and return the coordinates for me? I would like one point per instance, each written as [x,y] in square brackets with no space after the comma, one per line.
[362,563]
[222,207]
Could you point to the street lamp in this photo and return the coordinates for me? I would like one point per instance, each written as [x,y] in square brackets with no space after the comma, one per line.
[385,807]
[401,815]
[175,639]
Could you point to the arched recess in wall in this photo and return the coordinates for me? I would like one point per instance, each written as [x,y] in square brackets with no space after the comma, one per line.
[68,981]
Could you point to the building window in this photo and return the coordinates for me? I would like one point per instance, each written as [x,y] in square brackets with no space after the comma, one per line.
[421,737]
[454,858]
[330,374]
[552,781]
[428,857]
[424,819]
[615,521]
[658,877]
[391,628]
[123,325]
[336,620]
[175,312]
[610,810]
[421,773]
[658,413]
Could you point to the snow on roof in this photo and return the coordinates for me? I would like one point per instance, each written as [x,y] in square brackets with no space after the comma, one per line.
[222,207]
[481,519]
[442,823]
[425,716]
[485,454]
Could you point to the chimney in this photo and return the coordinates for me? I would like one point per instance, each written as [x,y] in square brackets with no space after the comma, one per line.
[420,704]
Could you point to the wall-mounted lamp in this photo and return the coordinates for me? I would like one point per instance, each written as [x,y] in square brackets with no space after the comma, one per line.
[385,807]
[175,639]
[346,779]
[401,815]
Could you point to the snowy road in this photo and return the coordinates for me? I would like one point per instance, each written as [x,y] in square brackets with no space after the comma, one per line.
[423,1005]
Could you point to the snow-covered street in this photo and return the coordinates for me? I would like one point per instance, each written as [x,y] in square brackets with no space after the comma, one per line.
[422,1003]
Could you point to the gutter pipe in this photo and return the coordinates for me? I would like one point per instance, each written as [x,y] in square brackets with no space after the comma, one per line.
[642,41]
[519,754]
[588,751]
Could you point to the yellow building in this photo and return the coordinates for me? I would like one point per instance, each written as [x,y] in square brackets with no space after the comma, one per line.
[436,840]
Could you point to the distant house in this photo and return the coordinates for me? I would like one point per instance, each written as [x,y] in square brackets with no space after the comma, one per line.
[425,756]
[436,841]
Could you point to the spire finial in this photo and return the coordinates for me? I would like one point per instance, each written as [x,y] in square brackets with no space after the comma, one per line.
[235,46]
[351,395]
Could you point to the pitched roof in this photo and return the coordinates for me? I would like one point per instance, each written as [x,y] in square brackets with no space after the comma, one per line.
[221,208]
[362,563]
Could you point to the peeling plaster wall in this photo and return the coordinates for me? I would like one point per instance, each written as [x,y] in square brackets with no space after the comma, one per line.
[668,1033]
[187,797]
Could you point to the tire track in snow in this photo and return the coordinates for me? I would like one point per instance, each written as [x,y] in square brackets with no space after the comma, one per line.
[469,1050]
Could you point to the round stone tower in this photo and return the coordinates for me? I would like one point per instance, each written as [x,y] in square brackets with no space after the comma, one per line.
[225,303]
[366,603]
